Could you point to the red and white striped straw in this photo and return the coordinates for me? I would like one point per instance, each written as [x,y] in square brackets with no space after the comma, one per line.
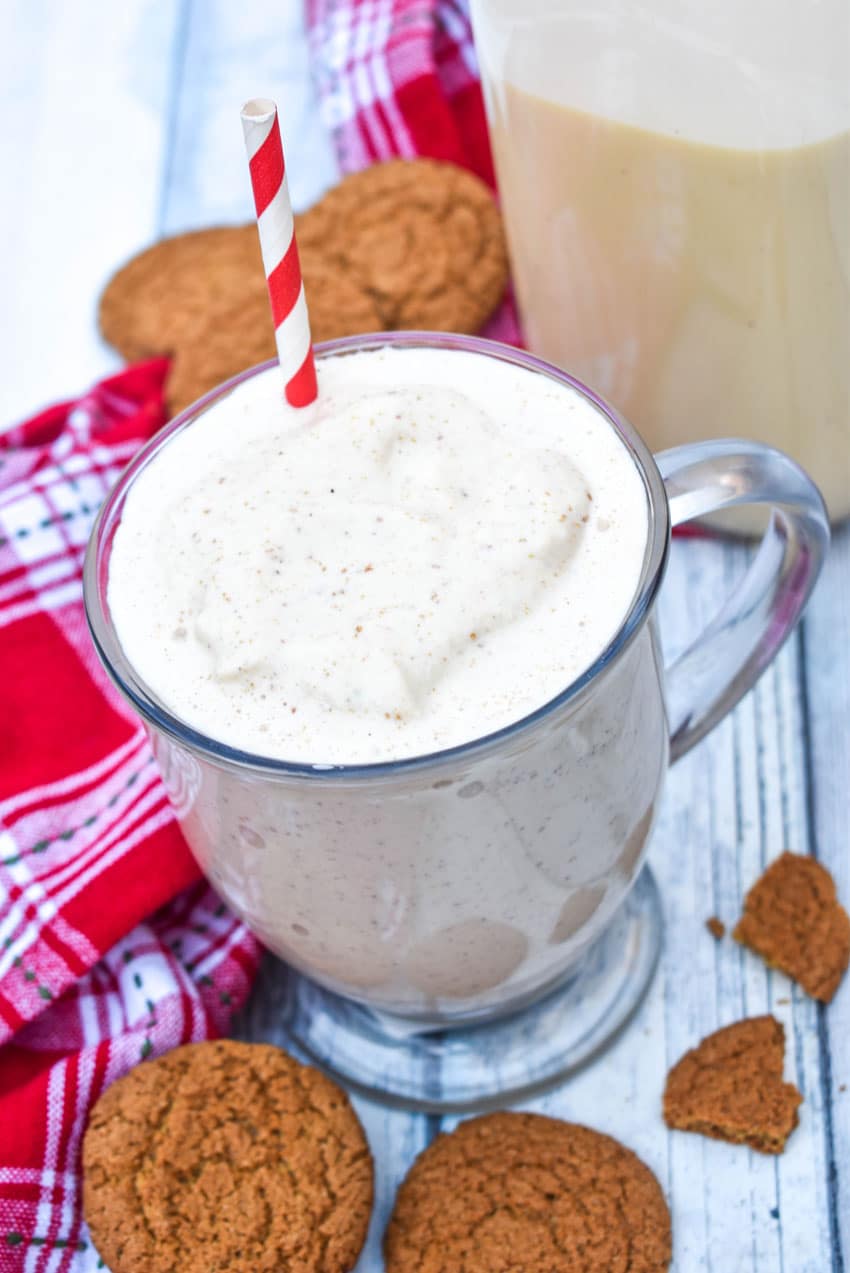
[280,251]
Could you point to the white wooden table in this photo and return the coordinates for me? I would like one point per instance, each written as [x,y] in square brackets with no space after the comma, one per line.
[120,124]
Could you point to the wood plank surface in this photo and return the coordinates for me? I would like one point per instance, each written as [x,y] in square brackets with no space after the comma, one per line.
[84,95]
[121,123]
[824,678]
[229,53]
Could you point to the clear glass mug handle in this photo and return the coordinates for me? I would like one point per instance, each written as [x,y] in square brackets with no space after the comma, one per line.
[708,679]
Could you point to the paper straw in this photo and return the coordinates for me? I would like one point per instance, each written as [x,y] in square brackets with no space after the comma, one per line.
[280,251]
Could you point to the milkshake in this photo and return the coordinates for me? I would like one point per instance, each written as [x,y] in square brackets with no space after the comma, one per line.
[436,549]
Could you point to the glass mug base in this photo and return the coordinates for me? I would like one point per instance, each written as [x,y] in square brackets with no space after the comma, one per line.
[483,1066]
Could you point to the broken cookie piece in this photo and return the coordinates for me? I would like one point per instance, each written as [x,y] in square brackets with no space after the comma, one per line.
[730,1087]
[793,919]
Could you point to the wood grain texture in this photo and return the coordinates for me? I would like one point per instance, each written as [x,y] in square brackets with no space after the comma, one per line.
[122,123]
[84,92]
[227,54]
[823,672]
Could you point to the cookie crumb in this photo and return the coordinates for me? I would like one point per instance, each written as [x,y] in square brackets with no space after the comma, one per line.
[730,1087]
[716,927]
[793,919]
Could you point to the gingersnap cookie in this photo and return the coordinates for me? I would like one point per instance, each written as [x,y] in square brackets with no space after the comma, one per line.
[406,244]
[156,298]
[793,919]
[730,1087]
[200,298]
[522,1190]
[228,339]
[419,240]
[227,1156]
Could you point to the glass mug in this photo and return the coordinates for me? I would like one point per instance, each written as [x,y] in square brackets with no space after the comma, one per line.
[675,181]
[426,901]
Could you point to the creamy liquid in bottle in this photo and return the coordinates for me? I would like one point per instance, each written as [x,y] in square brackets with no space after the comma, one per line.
[676,185]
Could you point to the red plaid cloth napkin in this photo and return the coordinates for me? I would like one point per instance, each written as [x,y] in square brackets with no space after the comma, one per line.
[103,959]
[400,78]
[89,849]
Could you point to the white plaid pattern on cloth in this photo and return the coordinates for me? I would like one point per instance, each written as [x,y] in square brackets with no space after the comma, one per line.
[399,78]
[377,62]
